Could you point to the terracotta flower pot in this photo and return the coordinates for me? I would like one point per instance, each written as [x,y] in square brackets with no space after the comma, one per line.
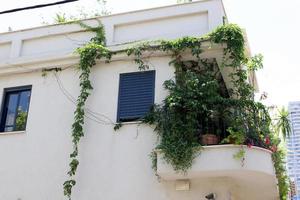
[209,139]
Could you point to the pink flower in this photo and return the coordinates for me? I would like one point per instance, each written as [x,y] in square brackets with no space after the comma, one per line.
[273,148]
[250,143]
[267,141]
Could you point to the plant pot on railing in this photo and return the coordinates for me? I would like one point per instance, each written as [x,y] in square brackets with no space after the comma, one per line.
[209,139]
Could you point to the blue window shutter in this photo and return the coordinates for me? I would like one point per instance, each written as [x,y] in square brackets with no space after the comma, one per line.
[136,95]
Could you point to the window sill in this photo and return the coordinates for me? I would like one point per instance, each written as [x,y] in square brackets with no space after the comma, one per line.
[12,132]
[129,123]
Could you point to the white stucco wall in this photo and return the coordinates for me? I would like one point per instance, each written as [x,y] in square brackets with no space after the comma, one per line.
[113,165]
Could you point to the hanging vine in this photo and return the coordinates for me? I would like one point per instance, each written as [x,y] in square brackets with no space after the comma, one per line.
[195,94]
[92,51]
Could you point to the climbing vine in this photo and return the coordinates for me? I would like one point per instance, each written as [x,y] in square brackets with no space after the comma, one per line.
[198,101]
[89,53]
[195,96]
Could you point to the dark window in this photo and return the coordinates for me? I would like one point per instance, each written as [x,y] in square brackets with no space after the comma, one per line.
[15,109]
[136,95]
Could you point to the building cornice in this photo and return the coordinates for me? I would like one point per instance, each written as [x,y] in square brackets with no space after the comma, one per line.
[67,59]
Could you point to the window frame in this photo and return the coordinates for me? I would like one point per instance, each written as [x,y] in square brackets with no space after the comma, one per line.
[6,91]
[129,120]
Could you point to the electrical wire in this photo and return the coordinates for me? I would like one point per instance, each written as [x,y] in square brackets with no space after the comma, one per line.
[93,113]
[72,99]
[37,6]
[94,116]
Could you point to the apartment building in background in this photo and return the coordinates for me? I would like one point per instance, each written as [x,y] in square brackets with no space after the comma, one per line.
[34,156]
[293,147]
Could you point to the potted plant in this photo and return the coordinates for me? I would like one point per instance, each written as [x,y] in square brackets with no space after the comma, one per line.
[210,132]
[209,139]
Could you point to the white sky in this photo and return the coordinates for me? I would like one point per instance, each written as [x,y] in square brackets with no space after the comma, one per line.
[272,26]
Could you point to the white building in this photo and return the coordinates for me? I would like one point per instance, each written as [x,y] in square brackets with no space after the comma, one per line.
[113,165]
[293,146]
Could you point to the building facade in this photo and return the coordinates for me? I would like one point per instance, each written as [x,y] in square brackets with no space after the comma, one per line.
[293,146]
[113,165]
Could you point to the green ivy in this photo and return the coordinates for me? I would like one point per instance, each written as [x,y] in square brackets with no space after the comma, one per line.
[176,121]
[92,51]
[233,37]
[193,94]
[195,98]
[282,176]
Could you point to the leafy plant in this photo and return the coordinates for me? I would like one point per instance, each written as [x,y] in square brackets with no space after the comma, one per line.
[196,98]
[282,176]
[184,115]
[21,120]
[82,13]
[89,53]
[60,18]
[255,63]
[240,155]
[283,124]
[196,101]
[177,121]
[117,126]
[234,137]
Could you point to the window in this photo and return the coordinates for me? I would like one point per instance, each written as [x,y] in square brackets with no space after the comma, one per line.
[136,95]
[15,109]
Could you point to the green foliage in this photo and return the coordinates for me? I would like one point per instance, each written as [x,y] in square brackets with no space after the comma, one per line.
[46,70]
[137,52]
[255,63]
[195,98]
[153,156]
[240,155]
[179,45]
[175,47]
[282,177]
[118,126]
[232,36]
[196,101]
[283,124]
[191,99]
[99,30]
[234,137]
[68,185]
[196,95]
[82,13]
[60,18]
[91,52]
[21,120]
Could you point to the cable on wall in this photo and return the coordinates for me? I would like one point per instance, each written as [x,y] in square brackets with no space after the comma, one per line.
[37,6]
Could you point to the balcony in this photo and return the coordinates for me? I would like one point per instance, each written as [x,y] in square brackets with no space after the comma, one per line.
[254,177]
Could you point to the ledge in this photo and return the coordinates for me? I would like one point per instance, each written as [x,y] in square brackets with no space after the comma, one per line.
[68,58]
[218,162]
[130,123]
[12,133]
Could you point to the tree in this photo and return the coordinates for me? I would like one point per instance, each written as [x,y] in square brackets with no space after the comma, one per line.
[283,125]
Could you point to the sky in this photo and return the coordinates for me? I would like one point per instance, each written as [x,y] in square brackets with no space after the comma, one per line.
[272,27]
